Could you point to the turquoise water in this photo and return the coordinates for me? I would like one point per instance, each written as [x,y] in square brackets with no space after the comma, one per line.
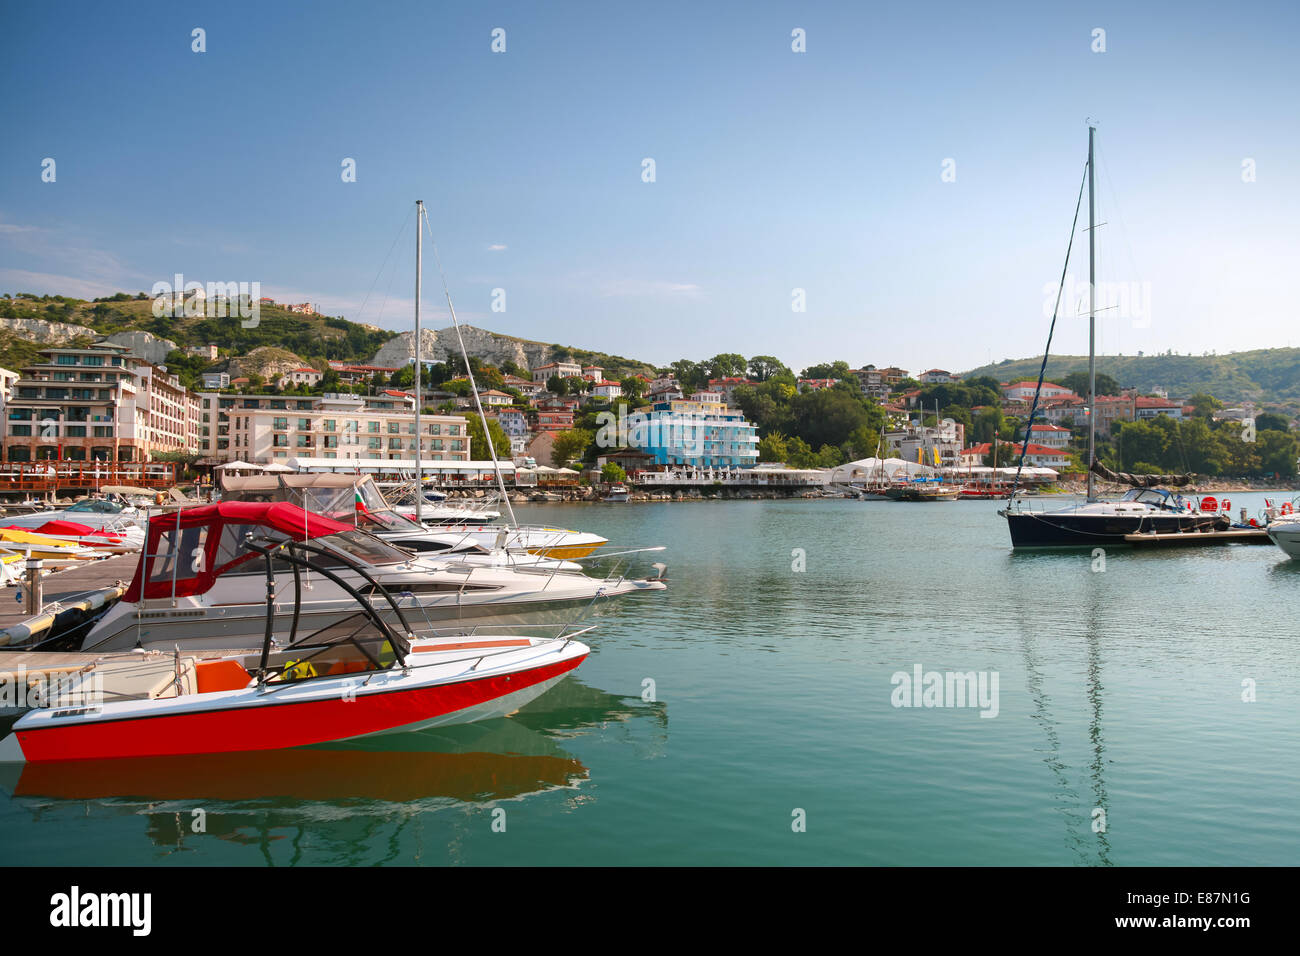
[1119,690]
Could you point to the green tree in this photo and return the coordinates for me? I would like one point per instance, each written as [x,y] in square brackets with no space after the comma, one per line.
[633,388]
[763,367]
[1205,405]
[569,445]
[557,385]
[1077,382]
[477,446]
[773,448]
[611,473]
[838,370]
[726,365]
[1269,422]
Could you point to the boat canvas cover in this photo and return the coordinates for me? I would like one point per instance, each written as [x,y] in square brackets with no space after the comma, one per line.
[187,551]
[1140,480]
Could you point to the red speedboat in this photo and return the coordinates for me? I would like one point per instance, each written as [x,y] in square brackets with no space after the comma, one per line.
[360,676]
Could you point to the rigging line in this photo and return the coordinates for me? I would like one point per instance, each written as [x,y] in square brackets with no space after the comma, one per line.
[361,312]
[469,373]
[391,281]
[1042,370]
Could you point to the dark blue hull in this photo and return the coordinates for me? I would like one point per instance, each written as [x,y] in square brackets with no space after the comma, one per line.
[1048,529]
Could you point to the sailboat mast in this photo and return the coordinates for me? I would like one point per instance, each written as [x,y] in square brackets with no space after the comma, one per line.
[1092,317]
[419,270]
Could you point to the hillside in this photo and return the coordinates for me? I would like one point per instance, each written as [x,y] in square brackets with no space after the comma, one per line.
[1263,376]
[28,323]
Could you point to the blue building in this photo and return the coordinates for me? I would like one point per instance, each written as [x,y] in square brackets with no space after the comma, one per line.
[700,432]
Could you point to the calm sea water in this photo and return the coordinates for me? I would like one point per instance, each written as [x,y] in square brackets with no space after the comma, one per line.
[768,734]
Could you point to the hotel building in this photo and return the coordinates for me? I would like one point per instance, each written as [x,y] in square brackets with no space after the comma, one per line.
[263,429]
[701,432]
[98,403]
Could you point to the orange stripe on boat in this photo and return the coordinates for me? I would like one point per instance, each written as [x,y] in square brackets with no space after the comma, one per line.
[465,644]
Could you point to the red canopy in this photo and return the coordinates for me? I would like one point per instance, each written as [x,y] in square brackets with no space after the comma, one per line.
[206,550]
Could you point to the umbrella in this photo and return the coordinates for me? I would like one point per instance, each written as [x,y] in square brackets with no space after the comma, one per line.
[277,466]
[240,466]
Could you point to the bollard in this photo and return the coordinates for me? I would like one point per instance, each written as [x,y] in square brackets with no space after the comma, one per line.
[35,589]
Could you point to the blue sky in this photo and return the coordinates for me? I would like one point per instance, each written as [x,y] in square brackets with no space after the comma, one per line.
[775,170]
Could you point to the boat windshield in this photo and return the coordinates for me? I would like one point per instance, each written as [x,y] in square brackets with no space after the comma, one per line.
[1148,496]
[364,548]
[354,645]
[97,506]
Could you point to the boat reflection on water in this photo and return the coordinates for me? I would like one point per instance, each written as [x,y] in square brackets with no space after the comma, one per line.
[347,800]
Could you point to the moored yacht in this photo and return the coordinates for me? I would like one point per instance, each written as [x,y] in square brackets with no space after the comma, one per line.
[200,577]
[1101,523]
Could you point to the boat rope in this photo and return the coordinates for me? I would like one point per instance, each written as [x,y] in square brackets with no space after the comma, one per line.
[469,372]
[1042,370]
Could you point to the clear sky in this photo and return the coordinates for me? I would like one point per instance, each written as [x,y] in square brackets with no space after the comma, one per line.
[774,170]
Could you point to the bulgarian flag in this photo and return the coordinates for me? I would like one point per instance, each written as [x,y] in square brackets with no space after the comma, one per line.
[361,505]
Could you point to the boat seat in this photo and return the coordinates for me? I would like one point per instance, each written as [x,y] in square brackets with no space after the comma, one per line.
[221,675]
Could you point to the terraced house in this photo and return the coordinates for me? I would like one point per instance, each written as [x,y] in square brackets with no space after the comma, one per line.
[98,403]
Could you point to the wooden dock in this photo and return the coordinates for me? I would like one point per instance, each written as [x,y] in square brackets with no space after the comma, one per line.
[1183,539]
[72,584]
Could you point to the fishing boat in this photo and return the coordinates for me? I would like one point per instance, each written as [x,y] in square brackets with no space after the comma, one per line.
[197,575]
[1147,507]
[617,492]
[923,489]
[361,676]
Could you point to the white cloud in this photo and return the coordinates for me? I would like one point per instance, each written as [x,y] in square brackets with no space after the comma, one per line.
[497,247]
[620,288]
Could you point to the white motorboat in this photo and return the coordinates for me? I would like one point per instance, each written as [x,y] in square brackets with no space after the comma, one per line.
[102,514]
[357,500]
[1283,525]
[197,582]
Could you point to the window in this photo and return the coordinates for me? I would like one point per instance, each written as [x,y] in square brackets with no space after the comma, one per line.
[372,427]
[20,431]
[93,360]
[66,360]
[74,431]
[280,424]
[304,424]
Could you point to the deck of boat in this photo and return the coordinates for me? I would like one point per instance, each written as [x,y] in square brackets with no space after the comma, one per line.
[1188,539]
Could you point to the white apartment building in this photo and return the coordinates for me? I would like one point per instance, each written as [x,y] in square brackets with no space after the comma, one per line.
[263,429]
[98,403]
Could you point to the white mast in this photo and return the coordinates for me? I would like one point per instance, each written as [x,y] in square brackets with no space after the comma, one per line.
[1092,320]
[419,268]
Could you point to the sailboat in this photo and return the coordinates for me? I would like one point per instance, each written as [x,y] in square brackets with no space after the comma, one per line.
[1146,508]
